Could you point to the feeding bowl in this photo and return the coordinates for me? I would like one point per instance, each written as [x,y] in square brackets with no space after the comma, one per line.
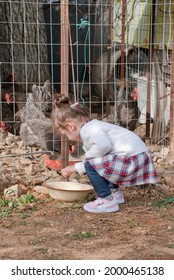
[67,191]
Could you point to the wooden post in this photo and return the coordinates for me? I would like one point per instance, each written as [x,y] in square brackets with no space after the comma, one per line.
[171,145]
[64,27]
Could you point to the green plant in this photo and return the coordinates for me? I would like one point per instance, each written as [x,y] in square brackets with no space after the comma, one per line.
[8,205]
[28,198]
[4,202]
[89,197]
[8,225]
[43,250]
[165,201]
[32,242]
[84,235]
[135,223]
[5,212]
[43,238]
[24,215]
[170,245]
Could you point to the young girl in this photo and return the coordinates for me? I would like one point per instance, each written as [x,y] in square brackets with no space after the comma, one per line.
[114,156]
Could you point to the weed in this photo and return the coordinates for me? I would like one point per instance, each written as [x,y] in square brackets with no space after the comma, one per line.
[43,250]
[134,203]
[89,197]
[5,212]
[84,235]
[56,257]
[68,206]
[164,202]
[170,245]
[4,202]
[43,238]
[8,225]
[23,223]
[28,198]
[59,205]
[9,205]
[32,242]
[135,224]
[22,232]
[24,216]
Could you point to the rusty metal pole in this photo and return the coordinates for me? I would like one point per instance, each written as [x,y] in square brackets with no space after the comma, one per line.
[109,50]
[64,29]
[171,145]
[149,83]
[124,3]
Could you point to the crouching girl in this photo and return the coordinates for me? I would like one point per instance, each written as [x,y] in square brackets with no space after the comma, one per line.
[114,156]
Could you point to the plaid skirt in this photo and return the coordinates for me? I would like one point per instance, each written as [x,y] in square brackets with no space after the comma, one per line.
[126,171]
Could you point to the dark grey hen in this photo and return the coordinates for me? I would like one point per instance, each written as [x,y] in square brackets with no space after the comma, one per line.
[37,128]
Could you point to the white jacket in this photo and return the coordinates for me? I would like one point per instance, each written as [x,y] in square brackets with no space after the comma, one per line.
[100,138]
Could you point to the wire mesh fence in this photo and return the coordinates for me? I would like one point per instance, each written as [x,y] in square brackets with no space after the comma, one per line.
[118,63]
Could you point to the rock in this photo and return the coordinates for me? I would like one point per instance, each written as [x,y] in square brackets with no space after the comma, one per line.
[155,158]
[10,140]
[159,160]
[21,144]
[4,153]
[41,189]
[162,180]
[157,154]
[4,183]
[23,181]
[13,180]
[84,180]
[169,178]
[54,174]
[18,151]
[74,180]
[25,161]
[14,190]
[154,148]
[164,152]
[4,177]
[160,170]
[39,180]
[28,170]
[73,176]
[164,187]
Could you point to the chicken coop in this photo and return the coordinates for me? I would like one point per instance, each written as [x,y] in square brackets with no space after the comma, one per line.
[115,57]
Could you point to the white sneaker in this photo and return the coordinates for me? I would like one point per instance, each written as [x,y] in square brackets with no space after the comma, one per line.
[119,195]
[102,205]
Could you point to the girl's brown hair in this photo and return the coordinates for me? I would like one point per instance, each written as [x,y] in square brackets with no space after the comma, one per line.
[64,109]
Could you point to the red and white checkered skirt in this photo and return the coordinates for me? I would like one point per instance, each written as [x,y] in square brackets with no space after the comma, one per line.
[126,171]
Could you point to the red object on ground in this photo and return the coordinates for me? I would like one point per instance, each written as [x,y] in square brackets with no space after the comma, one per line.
[55,163]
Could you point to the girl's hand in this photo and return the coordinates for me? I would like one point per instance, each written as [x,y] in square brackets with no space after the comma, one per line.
[67,171]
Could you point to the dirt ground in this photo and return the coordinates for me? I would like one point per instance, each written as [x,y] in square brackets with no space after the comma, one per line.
[46,229]
[35,226]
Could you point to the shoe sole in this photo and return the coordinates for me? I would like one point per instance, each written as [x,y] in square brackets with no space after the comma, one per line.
[109,210]
[120,201]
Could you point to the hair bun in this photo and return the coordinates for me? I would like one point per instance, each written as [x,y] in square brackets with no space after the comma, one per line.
[60,100]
